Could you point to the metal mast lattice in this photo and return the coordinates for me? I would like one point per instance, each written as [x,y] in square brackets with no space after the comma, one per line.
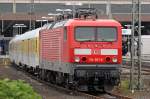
[136,28]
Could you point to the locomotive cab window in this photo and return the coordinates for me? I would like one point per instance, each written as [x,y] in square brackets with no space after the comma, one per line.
[85,33]
[103,34]
[106,34]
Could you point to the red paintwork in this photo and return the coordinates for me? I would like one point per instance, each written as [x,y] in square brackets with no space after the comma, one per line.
[54,48]
[51,44]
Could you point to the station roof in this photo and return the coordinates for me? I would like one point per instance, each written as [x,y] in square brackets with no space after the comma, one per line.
[73,1]
[121,9]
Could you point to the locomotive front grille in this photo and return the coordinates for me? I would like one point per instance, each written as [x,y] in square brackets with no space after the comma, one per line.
[99,73]
[104,71]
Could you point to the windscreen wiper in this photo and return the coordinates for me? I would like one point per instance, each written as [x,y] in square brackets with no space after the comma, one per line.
[87,40]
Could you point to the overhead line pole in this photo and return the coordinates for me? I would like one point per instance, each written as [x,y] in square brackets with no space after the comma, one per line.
[31,14]
[2,24]
[108,9]
[132,47]
[139,45]
[136,21]
[14,6]
[89,4]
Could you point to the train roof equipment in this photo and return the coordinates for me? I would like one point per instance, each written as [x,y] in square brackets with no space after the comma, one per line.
[86,13]
[81,13]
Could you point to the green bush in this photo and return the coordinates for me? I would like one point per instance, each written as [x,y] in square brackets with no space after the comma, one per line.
[124,87]
[125,84]
[16,89]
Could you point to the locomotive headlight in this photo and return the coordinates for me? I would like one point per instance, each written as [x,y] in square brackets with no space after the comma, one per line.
[77,59]
[114,60]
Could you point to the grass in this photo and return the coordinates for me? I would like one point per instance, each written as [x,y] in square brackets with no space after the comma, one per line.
[17,89]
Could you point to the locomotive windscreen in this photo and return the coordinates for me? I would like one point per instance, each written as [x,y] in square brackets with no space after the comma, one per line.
[96,34]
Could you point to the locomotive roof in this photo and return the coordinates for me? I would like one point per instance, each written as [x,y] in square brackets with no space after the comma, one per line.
[89,22]
[85,22]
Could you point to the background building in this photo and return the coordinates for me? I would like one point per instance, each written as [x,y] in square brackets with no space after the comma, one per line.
[18,16]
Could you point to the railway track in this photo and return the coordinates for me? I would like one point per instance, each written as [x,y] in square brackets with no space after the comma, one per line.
[145,71]
[145,63]
[106,95]
[117,96]
[145,67]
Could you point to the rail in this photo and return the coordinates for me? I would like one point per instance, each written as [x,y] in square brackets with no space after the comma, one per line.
[119,96]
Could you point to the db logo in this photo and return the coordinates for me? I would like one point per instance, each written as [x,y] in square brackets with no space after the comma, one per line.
[95,52]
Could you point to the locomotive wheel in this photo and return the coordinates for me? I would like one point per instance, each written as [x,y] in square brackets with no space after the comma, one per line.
[40,74]
[108,88]
[48,76]
[66,82]
[44,74]
[53,77]
[59,78]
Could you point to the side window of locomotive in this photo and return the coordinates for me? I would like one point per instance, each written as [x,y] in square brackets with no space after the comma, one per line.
[65,34]
[106,34]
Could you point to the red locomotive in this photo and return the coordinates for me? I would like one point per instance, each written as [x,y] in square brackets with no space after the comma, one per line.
[83,53]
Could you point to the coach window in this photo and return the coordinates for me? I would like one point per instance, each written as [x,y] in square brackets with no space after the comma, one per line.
[65,34]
